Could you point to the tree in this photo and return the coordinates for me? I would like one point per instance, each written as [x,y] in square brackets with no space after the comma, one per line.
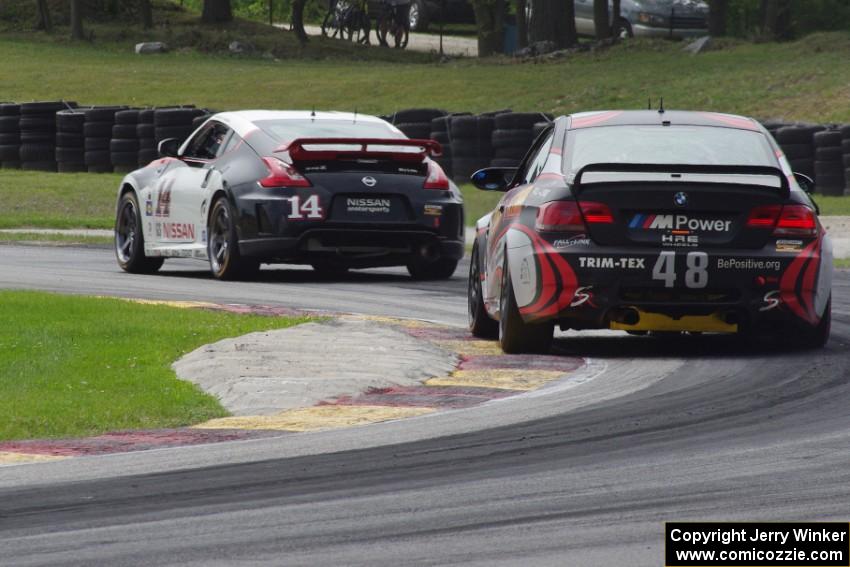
[521,24]
[489,19]
[553,20]
[298,20]
[146,14]
[44,21]
[615,18]
[776,18]
[216,11]
[77,19]
[601,21]
[717,17]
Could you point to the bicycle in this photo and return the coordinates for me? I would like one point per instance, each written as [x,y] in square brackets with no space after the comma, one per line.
[394,23]
[348,20]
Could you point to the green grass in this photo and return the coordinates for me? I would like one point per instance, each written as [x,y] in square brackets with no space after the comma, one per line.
[74,366]
[36,238]
[842,263]
[805,80]
[57,200]
[833,205]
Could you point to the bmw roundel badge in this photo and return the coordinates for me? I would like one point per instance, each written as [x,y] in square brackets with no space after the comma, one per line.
[680,198]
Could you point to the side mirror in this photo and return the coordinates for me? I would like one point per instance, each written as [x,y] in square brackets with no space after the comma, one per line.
[805,182]
[168,147]
[493,178]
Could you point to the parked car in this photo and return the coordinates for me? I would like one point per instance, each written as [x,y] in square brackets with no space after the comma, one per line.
[646,18]
[422,13]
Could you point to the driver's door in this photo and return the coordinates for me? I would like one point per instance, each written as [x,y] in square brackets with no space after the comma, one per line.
[183,189]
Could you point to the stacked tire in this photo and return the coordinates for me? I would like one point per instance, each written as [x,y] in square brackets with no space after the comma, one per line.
[513,135]
[829,164]
[845,155]
[797,142]
[146,134]
[98,135]
[440,133]
[38,134]
[471,144]
[124,144]
[416,122]
[70,141]
[174,122]
[10,135]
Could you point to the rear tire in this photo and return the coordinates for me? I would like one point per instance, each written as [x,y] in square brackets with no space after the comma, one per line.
[129,240]
[226,262]
[480,323]
[440,269]
[817,336]
[515,335]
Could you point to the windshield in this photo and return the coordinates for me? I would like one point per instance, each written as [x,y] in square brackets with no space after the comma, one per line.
[691,145]
[287,130]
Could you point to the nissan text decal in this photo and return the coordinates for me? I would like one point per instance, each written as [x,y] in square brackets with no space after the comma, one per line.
[679,222]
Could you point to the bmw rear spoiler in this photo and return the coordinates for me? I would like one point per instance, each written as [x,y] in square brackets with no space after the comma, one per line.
[298,151]
[677,169]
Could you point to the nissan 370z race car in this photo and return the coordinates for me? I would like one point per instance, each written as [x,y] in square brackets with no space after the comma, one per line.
[334,190]
[649,221]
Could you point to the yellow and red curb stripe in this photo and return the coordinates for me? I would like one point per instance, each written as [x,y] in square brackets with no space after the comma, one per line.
[483,374]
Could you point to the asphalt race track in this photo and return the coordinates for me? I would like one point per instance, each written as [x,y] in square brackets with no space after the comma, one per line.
[687,429]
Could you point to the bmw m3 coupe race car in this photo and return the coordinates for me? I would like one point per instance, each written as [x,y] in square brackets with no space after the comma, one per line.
[334,190]
[650,221]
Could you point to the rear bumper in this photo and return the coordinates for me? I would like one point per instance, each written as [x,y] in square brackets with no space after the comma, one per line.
[587,286]
[354,247]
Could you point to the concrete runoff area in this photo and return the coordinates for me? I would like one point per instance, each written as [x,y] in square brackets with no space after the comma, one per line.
[264,373]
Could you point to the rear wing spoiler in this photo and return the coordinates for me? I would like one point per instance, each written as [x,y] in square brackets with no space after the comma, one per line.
[372,148]
[679,169]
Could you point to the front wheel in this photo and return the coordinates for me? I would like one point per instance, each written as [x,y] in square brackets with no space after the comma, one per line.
[439,269]
[480,323]
[129,240]
[226,263]
[515,335]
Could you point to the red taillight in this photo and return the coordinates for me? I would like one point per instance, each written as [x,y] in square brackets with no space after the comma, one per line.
[764,216]
[796,220]
[282,174]
[785,220]
[436,177]
[559,216]
[596,213]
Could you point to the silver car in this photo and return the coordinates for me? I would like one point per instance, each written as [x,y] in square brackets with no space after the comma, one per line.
[650,18]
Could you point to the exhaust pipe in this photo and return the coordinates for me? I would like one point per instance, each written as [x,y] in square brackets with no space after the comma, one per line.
[730,317]
[429,252]
[625,315]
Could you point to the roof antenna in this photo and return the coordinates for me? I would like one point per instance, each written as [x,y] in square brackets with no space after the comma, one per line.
[649,103]
[355,115]
[313,114]
[661,106]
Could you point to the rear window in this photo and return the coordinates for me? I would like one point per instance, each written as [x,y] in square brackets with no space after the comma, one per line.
[287,130]
[691,145]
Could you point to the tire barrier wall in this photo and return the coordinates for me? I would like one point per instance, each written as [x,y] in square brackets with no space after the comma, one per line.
[61,136]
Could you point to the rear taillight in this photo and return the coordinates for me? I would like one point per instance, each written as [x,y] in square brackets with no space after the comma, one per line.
[559,216]
[764,216]
[564,216]
[282,174]
[796,220]
[596,213]
[785,220]
[436,177]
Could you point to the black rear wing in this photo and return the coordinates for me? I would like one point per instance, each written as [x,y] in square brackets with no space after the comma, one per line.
[674,169]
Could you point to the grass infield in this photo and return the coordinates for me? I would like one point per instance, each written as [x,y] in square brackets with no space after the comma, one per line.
[73,366]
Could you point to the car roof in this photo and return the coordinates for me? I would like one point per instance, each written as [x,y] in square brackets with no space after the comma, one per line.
[243,122]
[657,118]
